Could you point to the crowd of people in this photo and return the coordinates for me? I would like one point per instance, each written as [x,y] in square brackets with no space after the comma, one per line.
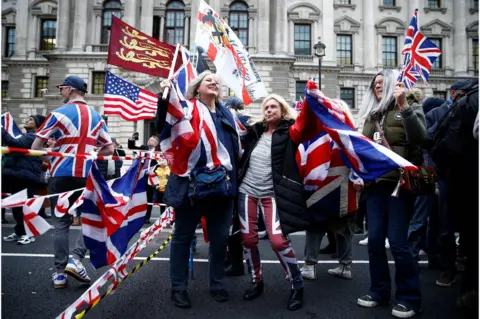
[245,180]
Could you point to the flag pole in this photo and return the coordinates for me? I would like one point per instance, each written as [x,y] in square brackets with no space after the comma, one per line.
[172,67]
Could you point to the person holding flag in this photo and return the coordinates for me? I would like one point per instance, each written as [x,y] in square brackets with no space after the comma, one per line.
[393,123]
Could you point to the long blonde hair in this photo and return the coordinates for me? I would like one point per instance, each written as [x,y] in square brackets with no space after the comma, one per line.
[192,91]
[345,108]
[288,113]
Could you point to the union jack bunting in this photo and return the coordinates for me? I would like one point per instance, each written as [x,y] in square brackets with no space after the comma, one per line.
[112,215]
[368,159]
[10,126]
[420,52]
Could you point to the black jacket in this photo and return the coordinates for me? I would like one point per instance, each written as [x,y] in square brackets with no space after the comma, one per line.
[103,165]
[289,191]
[131,146]
[18,165]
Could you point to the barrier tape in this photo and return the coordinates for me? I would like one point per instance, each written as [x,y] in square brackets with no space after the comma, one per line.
[28,152]
[117,271]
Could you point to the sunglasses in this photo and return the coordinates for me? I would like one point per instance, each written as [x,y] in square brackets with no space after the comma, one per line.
[64,87]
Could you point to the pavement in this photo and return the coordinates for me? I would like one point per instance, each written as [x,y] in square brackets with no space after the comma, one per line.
[27,289]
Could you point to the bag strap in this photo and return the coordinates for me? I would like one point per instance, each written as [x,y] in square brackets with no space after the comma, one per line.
[384,140]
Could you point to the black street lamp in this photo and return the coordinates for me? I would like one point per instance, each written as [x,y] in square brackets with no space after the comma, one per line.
[319,49]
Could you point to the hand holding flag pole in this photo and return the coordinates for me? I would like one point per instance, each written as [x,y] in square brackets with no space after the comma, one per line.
[170,75]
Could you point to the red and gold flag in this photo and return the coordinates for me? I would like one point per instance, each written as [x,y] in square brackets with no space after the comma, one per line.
[134,50]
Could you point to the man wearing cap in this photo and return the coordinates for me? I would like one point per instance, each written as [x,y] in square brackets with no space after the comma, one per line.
[20,172]
[77,129]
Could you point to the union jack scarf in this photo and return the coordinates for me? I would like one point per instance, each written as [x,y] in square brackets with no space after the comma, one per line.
[188,126]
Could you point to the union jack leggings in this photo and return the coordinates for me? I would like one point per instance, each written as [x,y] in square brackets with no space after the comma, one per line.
[249,208]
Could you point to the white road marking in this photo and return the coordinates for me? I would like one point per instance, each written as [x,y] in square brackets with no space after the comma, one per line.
[198,260]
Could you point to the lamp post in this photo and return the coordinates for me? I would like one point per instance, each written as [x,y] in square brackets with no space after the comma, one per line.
[319,49]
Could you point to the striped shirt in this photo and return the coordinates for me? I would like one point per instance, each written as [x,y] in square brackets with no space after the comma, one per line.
[258,180]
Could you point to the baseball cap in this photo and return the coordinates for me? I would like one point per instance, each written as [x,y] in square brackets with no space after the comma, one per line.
[461,85]
[75,82]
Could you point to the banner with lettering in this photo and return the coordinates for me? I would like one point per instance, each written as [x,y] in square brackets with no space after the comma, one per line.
[136,51]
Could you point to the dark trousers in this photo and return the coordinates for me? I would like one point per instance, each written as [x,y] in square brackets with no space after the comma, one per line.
[446,203]
[417,231]
[389,216]
[150,198]
[14,185]
[235,251]
[218,217]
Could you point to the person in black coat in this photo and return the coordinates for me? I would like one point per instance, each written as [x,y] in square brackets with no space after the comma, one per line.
[20,172]
[270,182]
[103,164]
[152,145]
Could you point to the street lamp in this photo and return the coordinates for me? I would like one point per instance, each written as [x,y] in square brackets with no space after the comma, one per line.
[319,49]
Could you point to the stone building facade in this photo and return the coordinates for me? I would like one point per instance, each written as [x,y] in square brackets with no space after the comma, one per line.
[45,40]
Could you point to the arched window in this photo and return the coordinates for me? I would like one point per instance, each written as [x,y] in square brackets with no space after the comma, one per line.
[238,21]
[110,7]
[174,24]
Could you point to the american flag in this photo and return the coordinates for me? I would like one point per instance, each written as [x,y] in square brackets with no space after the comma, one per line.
[127,100]
[112,215]
[366,158]
[419,52]
[10,126]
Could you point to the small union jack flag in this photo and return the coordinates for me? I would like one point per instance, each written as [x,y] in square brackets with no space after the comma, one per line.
[420,52]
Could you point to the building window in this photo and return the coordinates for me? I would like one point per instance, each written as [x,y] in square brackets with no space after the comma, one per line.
[344,1]
[344,49]
[300,90]
[9,41]
[174,24]
[41,83]
[48,35]
[438,62]
[389,51]
[475,4]
[440,94]
[238,21]
[433,4]
[156,27]
[4,89]
[475,53]
[110,8]
[303,39]
[98,83]
[389,3]
[348,95]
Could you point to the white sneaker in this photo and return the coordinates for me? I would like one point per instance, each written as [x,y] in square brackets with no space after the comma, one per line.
[59,280]
[309,272]
[11,237]
[341,271]
[262,234]
[25,240]
[77,270]
[364,242]
[387,244]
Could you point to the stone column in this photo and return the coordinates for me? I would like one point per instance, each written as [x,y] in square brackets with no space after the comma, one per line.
[80,25]
[251,23]
[146,23]
[328,17]
[264,27]
[280,23]
[369,37]
[193,22]
[63,25]
[97,30]
[21,29]
[32,37]
[412,5]
[315,33]
[130,11]
[460,38]
[379,51]
[186,35]
[162,26]
[291,27]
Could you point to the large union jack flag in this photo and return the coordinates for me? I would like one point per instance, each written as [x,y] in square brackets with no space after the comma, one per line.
[10,126]
[420,53]
[112,215]
[78,129]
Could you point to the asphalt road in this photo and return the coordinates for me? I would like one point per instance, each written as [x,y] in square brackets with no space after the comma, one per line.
[27,290]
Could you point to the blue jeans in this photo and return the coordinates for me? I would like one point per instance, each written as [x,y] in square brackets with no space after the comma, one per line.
[417,231]
[389,216]
[219,218]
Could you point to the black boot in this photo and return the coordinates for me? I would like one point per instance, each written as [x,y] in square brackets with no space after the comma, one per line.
[295,301]
[180,299]
[234,265]
[254,291]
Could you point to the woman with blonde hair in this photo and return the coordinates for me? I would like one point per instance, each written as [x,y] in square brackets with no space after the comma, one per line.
[271,185]
[203,178]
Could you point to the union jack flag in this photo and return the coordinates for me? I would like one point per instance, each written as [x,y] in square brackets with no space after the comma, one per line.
[410,75]
[34,224]
[10,126]
[78,129]
[420,52]
[112,215]
[366,158]
[186,73]
[297,106]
